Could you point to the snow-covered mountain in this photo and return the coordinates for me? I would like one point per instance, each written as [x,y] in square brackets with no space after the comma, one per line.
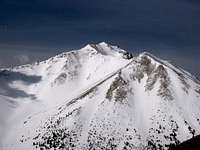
[98,97]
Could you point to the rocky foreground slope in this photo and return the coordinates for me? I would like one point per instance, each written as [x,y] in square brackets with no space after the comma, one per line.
[98,97]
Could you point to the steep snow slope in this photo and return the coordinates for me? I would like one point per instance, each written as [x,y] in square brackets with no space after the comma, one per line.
[99,97]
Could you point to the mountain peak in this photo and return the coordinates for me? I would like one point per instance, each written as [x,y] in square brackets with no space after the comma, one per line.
[106,49]
[94,45]
[99,97]
[103,43]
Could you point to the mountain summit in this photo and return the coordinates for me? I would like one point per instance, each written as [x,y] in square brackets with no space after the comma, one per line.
[98,97]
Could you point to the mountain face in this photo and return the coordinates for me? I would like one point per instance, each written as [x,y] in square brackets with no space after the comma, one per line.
[98,97]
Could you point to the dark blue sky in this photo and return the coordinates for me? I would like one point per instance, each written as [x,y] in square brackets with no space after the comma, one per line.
[36,29]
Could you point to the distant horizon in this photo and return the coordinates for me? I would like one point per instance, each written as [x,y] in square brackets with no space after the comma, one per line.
[45,56]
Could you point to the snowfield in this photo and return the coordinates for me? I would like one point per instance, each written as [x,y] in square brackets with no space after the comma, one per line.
[98,97]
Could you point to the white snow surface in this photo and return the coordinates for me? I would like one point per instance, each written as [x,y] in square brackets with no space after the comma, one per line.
[96,98]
